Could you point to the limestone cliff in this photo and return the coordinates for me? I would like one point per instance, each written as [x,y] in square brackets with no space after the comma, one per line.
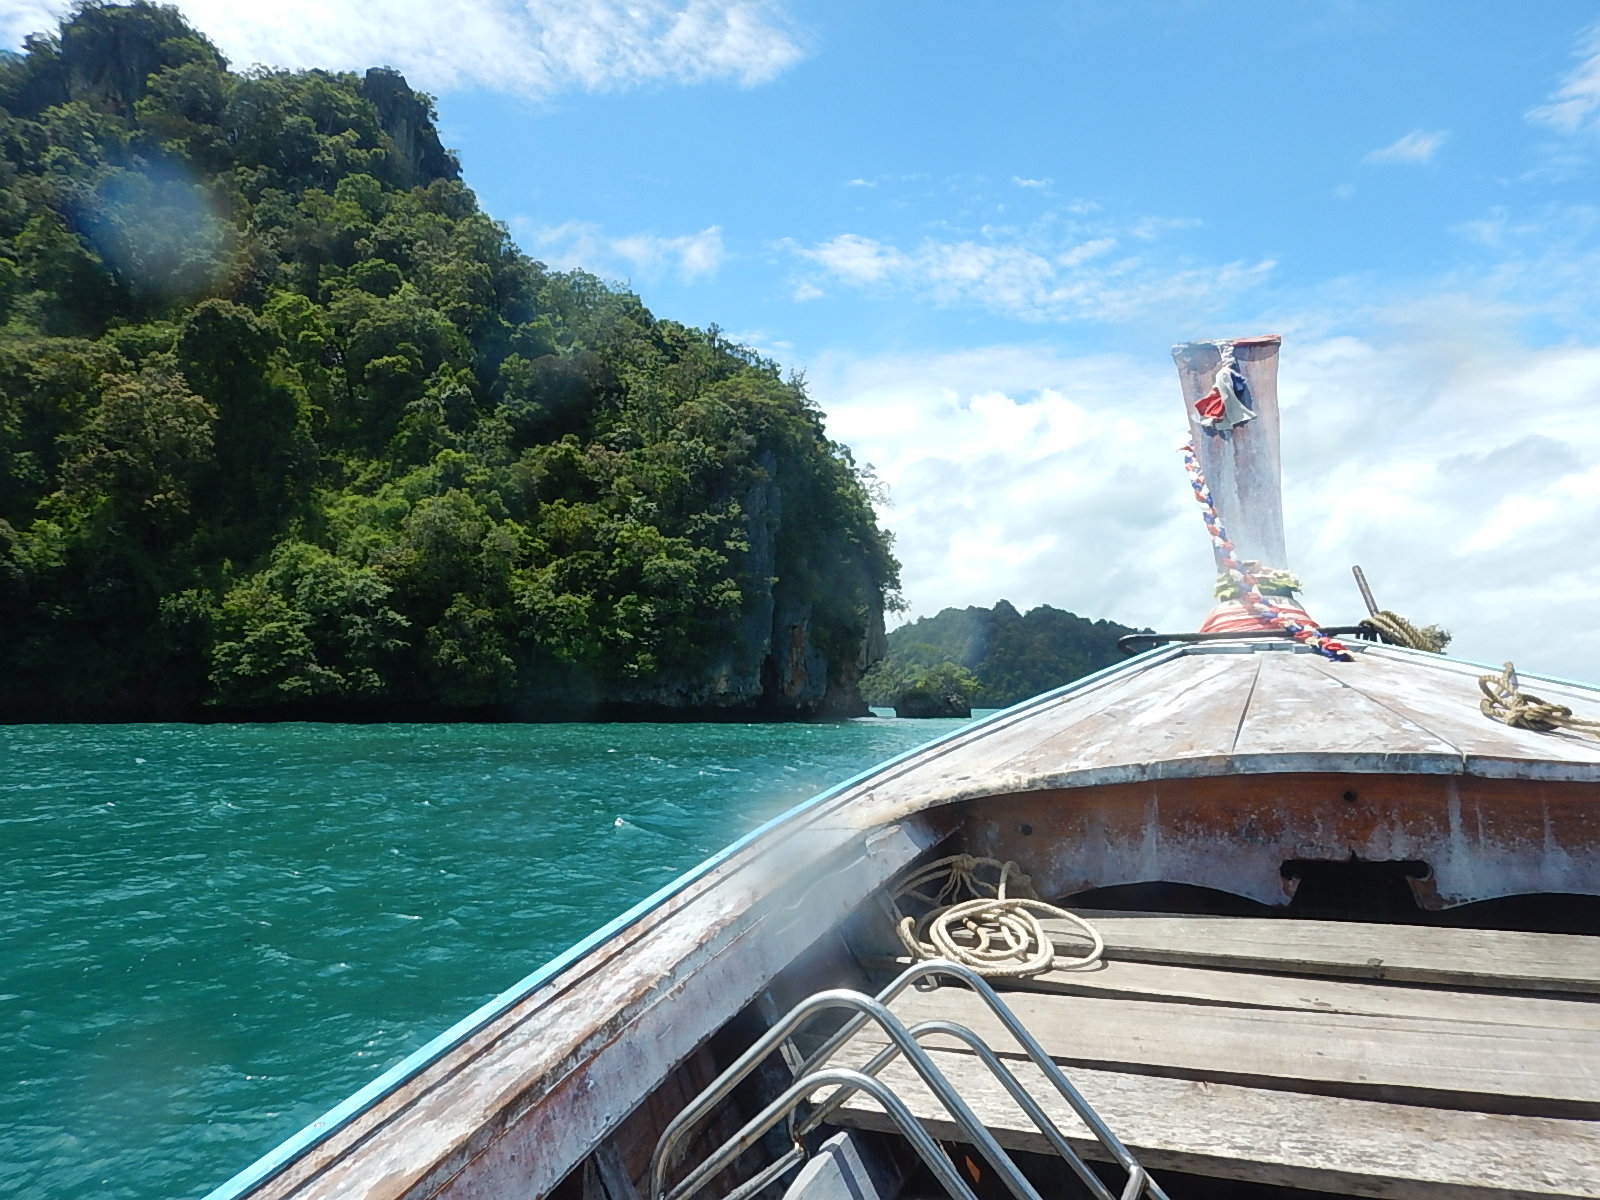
[291,429]
[407,119]
[777,661]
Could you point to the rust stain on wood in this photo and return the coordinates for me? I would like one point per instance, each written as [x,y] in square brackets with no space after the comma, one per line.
[1483,838]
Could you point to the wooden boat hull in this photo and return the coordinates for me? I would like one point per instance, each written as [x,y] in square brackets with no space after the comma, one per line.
[1470,839]
[1183,766]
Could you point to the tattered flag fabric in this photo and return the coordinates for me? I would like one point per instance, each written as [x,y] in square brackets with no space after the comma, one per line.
[1227,405]
[1211,408]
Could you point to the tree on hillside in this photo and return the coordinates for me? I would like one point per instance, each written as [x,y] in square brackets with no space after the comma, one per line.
[289,425]
[1012,656]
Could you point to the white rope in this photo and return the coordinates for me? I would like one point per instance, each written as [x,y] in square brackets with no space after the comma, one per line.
[976,923]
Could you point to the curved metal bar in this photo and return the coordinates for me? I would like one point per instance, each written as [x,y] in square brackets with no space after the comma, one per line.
[912,974]
[1030,1046]
[867,1009]
[780,1166]
[921,1141]
[1138,643]
[1024,1099]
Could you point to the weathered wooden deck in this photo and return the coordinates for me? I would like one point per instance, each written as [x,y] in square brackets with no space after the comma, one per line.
[1191,765]
[1365,1060]
[1211,766]
[1243,708]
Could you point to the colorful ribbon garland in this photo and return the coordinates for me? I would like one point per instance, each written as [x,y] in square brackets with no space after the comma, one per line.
[1249,589]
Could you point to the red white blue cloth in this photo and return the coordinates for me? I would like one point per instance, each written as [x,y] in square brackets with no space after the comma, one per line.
[1228,404]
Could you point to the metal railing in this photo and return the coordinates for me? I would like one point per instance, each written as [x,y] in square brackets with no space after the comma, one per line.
[814,1075]
[1137,643]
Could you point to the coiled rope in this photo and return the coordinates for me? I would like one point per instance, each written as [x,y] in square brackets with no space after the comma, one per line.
[1504,702]
[1398,631]
[1247,575]
[979,924]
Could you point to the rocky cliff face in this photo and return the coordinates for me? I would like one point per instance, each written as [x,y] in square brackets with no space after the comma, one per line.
[408,120]
[777,661]
[106,55]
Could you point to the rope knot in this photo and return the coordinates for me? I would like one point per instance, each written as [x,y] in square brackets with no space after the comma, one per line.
[1503,701]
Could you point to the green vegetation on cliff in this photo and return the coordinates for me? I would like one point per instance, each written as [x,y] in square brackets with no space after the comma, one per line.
[942,690]
[1012,656]
[289,427]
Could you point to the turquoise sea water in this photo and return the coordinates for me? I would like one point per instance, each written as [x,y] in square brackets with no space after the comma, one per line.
[211,934]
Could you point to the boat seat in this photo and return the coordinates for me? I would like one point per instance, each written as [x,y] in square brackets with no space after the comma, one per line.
[1358,1059]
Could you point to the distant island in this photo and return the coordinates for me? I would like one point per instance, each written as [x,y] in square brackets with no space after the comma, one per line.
[290,429]
[990,657]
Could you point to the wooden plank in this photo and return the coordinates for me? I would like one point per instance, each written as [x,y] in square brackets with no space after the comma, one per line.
[1320,1143]
[1245,989]
[977,764]
[1303,718]
[613,1172]
[1446,1064]
[1182,721]
[1443,697]
[1478,958]
[1127,727]
[1186,716]
[1483,838]
[1579,695]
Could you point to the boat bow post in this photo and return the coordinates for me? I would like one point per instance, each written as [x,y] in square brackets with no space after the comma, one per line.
[1230,393]
[1231,396]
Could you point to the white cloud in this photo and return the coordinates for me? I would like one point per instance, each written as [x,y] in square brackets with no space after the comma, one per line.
[856,259]
[1453,462]
[1084,251]
[1417,146]
[1458,462]
[1031,183]
[1020,472]
[1544,264]
[585,246]
[1575,102]
[1034,278]
[1148,229]
[19,18]
[535,48]
[609,43]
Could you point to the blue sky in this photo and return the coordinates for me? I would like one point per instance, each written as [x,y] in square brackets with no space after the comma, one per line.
[979,229]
